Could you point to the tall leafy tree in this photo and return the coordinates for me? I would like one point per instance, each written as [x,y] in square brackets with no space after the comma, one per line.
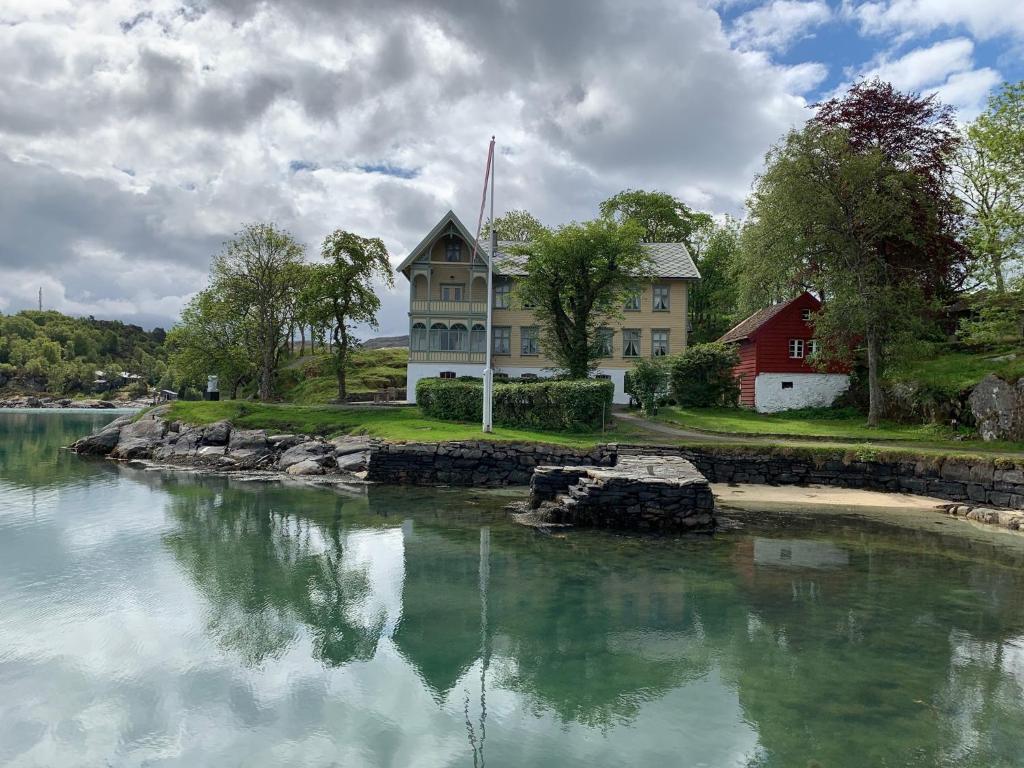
[517,226]
[826,212]
[661,217]
[341,294]
[577,278]
[212,338]
[258,276]
[713,299]
[991,184]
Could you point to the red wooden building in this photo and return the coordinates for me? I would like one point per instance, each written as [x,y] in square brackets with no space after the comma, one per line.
[775,345]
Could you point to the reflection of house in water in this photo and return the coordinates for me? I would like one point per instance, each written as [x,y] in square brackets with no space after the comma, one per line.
[799,553]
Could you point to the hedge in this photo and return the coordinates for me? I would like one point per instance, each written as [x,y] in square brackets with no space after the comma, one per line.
[555,404]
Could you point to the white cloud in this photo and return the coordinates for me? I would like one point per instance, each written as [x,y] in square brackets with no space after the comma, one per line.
[779,23]
[946,68]
[984,19]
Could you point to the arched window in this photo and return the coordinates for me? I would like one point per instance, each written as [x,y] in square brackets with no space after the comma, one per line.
[438,337]
[458,338]
[418,342]
[478,338]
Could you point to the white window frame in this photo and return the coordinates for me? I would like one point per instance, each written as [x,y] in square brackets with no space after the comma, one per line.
[796,349]
[631,336]
[656,346]
[606,337]
[813,347]
[664,299]
[502,339]
[529,342]
[502,294]
[633,301]
[461,290]
[805,315]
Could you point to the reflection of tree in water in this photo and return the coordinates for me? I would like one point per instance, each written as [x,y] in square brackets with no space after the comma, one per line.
[265,570]
[30,448]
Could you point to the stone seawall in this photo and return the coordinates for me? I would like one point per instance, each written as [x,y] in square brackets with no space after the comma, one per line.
[475,462]
[997,483]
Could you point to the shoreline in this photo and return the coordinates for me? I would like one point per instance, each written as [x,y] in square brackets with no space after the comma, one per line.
[67,404]
[952,488]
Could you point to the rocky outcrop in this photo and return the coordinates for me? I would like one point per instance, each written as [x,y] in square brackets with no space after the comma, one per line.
[998,408]
[222,447]
[662,493]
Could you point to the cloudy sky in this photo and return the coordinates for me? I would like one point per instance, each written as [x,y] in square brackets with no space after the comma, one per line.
[136,136]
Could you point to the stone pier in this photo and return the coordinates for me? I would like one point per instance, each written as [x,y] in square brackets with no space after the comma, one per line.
[663,493]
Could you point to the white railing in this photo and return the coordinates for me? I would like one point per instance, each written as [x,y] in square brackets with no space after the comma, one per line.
[449,307]
[422,356]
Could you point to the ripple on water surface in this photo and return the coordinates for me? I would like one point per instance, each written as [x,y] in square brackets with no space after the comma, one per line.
[161,619]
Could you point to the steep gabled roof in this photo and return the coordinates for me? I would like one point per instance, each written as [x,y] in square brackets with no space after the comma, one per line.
[670,259]
[746,328]
[425,243]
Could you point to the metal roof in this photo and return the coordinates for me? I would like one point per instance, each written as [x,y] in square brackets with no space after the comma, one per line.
[671,260]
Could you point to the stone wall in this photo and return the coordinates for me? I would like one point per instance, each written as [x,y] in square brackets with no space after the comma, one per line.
[981,481]
[474,462]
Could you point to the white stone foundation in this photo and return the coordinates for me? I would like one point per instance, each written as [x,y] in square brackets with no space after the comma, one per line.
[417,371]
[808,390]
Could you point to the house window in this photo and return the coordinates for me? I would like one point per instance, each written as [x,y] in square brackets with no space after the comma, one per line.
[502,292]
[632,302]
[447,374]
[659,343]
[805,314]
[477,338]
[458,338]
[660,298]
[528,340]
[631,342]
[605,337]
[451,291]
[439,337]
[502,340]
[796,349]
[813,347]
[419,337]
[787,385]
[453,251]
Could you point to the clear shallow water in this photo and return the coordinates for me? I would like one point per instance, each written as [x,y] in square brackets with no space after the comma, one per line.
[151,619]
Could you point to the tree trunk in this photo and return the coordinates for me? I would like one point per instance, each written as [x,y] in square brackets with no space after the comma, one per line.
[874,385]
[302,339]
[341,340]
[267,371]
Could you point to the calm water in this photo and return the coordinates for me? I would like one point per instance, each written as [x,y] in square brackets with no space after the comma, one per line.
[151,619]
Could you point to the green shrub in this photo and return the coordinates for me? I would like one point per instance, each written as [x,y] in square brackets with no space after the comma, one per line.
[647,383]
[702,376]
[543,404]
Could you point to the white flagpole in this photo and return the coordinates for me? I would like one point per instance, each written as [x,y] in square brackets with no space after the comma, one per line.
[488,409]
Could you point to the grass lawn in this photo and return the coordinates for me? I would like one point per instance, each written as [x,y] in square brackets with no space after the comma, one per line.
[368,370]
[952,371]
[839,423]
[397,423]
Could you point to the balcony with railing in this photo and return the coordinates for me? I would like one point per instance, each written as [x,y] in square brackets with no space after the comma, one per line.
[439,307]
[442,344]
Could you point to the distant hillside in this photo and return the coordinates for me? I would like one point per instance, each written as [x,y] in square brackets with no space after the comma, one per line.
[387,342]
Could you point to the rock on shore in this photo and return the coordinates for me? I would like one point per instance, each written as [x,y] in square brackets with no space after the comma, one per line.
[222,447]
[29,401]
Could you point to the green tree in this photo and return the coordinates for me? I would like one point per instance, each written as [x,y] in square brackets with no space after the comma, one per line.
[702,376]
[258,276]
[713,299]
[577,278]
[826,212]
[340,292]
[211,338]
[662,217]
[990,178]
[647,381]
[517,226]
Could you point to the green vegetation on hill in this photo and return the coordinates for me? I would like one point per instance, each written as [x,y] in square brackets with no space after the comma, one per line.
[952,370]
[310,379]
[51,352]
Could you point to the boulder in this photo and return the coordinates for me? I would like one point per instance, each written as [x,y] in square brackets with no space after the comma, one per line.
[997,409]
[350,444]
[99,444]
[305,467]
[139,439]
[312,450]
[247,440]
[217,433]
[353,462]
[283,442]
